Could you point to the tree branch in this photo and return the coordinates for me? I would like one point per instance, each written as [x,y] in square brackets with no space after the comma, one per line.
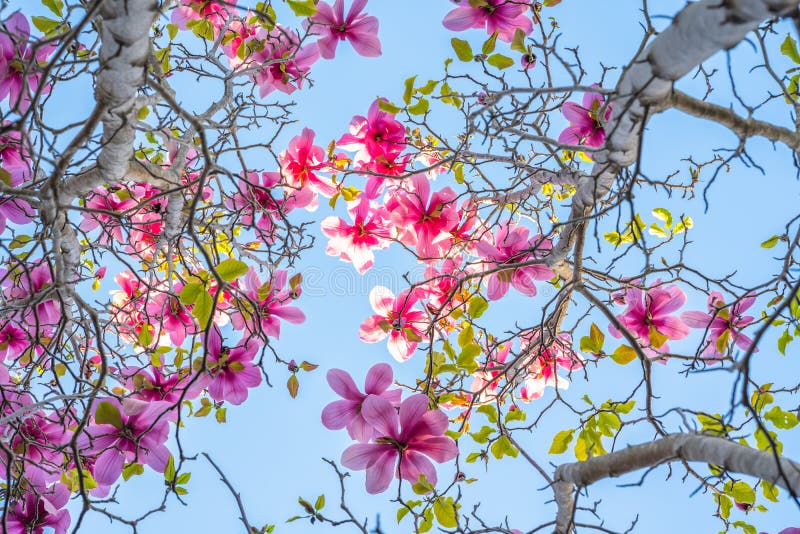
[688,447]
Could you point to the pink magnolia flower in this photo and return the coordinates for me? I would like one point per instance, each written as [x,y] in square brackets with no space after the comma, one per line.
[240,33]
[166,312]
[501,16]
[35,438]
[231,371]
[271,300]
[648,318]
[30,282]
[138,435]
[378,135]
[486,380]
[151,384]
[39,507]
[541,372]
[190,12]
[104,209]
[586,126]
[510,245]
[396,318]
[20,71]
[14,157]
[347,412]
[424,219]
[358,28]
[298,163]
[255,205]
[13,341]
[355,243]
[444,289]
[406,444]
[280,63]
[723,323]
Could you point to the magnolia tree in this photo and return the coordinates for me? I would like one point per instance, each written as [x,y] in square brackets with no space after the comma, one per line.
[520,173]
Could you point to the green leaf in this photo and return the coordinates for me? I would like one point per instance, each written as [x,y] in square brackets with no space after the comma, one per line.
[319,504]
[190,292]
[108,414]
[202,308]
[466,360]
[746,527]
[725,505]
[742,492]
[488,46]
[664,216]
[220,415]
[293,385]
[45,25]
[463,49]
[142,113]
[422,486]
[500,61]
[515,415]
[594,342]
[623,355]
[784,340]
[477,305]
[19,242]
[657,231]
[401,513]
[770,491]
[771,242]
[183,478]
[466,336]
[132,470]
[482,436]
[306,8]
[445,512]
[428,87]
[503,447]
[489,411]
[172,31]
[473,457]
[409,89]
[169,471]
[789,49]
[518,42]
[388,107]
[781,419]
[420,108]
[561,442]
[231,269]
[56,6]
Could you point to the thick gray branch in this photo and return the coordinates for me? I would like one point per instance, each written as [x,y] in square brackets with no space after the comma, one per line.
[699,31]
[742,126]
[688,447]
[123,56]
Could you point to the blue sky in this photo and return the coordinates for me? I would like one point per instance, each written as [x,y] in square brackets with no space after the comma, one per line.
[270,448]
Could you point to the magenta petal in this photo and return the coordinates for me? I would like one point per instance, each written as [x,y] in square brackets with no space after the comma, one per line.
[414,464]
[464,18]
[379,378]
[362,455]
[339,414]
[380,413]
[108,467]
[439,448]
[672,327]
[696,319]
[411,411]
[342,383]
[496,288]
[359,429]
[380,473]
